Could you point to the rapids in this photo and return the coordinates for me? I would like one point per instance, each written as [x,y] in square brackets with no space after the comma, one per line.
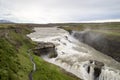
[75,56]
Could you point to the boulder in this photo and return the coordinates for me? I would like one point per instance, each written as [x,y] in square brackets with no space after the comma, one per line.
[45,49]
[96,66]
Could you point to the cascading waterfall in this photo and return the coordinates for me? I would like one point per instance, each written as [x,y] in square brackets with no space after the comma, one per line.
[76,57]
[109,74]
[93,72]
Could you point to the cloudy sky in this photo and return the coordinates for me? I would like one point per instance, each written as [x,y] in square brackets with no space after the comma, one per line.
[53,11]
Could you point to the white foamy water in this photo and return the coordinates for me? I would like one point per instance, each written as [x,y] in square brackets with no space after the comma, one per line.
[74,56]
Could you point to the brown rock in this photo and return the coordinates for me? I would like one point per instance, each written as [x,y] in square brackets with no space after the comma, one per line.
[97,67]
[45,49]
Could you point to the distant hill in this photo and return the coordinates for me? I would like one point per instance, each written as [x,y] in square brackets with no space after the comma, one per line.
[6,21]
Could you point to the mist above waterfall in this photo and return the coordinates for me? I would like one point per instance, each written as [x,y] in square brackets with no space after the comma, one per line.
[92,38]
[103,39]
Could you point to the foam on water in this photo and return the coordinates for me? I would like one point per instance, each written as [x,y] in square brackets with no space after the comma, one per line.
[74,56]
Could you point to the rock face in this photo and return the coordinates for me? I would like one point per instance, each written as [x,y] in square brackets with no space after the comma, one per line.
[100,42]
[93,69]
[45,49]
[97,66]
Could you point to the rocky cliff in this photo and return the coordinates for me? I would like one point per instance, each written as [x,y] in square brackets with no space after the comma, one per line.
[45,49]
[109,45]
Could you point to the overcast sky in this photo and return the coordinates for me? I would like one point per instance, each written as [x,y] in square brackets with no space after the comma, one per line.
[49,11]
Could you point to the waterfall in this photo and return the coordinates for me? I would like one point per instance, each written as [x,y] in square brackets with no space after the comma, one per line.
[100,73]
[77,57]
[109,74]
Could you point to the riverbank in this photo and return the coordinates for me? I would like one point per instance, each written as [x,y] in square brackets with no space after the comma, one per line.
[48,71]
[14,60]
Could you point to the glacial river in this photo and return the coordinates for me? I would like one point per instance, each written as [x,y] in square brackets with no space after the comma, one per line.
[75,56]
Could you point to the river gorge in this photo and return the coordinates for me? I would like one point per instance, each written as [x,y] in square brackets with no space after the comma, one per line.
[76,57]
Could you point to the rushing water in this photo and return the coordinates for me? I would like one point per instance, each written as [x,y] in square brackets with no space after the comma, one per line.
[75,56]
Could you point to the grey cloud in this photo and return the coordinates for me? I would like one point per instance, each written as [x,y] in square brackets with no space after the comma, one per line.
[59,10]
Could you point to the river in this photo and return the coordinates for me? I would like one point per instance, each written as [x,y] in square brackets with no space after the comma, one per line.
[75,56]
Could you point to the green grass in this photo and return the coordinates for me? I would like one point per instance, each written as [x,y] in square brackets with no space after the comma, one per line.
[14,64]
[47,71]
[98,26]
[14,61]
[110,30]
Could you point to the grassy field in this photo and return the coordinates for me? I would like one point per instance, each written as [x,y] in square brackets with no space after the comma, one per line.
[14,60]
[112,30]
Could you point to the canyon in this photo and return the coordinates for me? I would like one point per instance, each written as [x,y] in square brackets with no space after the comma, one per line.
[74,56]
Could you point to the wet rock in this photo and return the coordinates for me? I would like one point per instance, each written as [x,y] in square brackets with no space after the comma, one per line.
[45,49]
[96,63]
[96,66]
[108,45]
